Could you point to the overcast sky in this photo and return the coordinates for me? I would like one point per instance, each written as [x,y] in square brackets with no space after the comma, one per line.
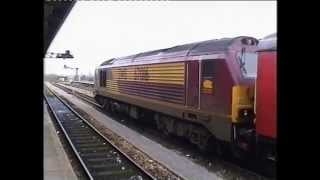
[99,30]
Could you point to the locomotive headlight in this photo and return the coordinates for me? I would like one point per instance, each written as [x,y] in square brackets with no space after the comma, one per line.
[242,103]
[246,115]
[245,112]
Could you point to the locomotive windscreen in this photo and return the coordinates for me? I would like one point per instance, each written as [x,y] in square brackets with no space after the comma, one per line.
[248,64]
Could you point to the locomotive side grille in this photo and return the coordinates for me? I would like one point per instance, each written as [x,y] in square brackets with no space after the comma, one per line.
[172,73]
[163,82]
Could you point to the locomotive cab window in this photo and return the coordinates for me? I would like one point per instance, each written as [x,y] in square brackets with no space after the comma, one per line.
[248,64]
[207,73]
[207,69]
[103,78]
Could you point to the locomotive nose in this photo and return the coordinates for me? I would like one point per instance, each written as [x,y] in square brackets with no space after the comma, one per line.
[242,103]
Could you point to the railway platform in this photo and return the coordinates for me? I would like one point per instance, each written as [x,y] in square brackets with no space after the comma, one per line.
[81,91]
[56,163]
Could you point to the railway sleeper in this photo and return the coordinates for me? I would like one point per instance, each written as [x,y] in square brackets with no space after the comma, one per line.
[101,166]
[93,149]
[94,154]
[100,159]
[80,134]
[96,147]
[75,126]
[95,144]
[88,138]
[80,130]
[106,167]
[114,175]
[85,140]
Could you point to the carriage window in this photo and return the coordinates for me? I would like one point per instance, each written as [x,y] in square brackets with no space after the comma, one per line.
[207,68]
[103,78]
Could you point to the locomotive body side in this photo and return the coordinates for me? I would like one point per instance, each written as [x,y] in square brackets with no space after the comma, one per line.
[202,85]
[173,89]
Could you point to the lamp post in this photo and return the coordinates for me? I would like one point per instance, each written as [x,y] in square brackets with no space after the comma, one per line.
[76,78]
[65,55]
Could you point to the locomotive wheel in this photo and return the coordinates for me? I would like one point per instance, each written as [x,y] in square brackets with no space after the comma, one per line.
[219,150]
[106,105]
[166,133]
[212,145]
[205,145]
[163,128]
[112,110]
[224,149]
[239,153]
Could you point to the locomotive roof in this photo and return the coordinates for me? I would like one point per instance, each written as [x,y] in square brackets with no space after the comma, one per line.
[268,43]
[191,49]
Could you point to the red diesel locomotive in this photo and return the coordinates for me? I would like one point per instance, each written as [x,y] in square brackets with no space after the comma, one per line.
[266,97]
[202,91]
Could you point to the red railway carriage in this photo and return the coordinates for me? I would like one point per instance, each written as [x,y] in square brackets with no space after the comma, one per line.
[201,91]
[266,94]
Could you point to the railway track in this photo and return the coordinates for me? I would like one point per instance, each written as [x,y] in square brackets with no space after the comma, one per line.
[248,168]
[82,96]
[98,156]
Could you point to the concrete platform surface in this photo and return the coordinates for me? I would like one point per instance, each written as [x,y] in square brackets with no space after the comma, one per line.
[82,91]
[56,163]
[178,163]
